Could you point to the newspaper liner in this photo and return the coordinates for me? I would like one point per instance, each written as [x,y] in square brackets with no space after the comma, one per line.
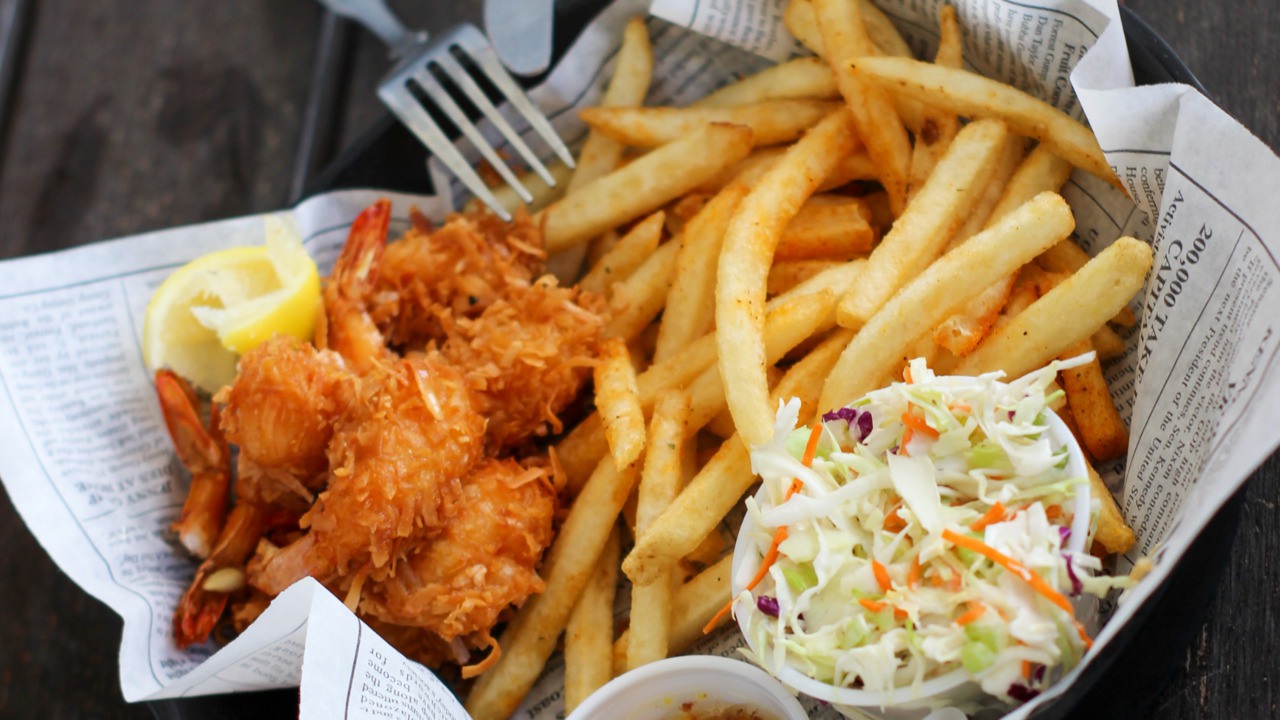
[89,467]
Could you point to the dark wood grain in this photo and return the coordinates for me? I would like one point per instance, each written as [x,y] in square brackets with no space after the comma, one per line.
[131,115]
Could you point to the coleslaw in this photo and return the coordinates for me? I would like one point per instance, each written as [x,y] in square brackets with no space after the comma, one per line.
[932,528]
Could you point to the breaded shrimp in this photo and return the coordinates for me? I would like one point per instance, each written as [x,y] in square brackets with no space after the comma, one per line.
[458,270]
[281,411]
[396,462]
[528,356]
[459,583]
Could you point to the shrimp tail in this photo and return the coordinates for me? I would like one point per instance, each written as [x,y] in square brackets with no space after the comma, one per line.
[203,451]
[218,576]
[348,328]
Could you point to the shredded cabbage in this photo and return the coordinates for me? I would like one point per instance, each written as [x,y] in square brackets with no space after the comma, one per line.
[974,459]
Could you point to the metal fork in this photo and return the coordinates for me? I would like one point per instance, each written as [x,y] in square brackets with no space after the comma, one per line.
[419,61]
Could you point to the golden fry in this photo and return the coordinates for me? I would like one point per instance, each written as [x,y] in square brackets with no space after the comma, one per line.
[588,638]
[692,291]
[844,37]
[1102,430]
[643,185]
[618,402]
[659,483]
[771,121]
[970,95]
[625,256]
[948,283]
[744,267]
[802,78]
[921,233]
[1066,315]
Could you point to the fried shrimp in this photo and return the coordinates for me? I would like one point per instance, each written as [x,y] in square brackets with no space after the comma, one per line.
[348,328]
[396,464]
[281,411]
[458,270]
[527,356]
[460,583]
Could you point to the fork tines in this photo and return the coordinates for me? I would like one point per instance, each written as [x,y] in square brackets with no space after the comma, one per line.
[418,74]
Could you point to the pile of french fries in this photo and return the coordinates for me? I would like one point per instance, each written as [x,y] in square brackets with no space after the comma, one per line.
[746,258]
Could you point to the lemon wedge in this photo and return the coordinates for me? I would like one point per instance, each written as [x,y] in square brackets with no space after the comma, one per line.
[221,305]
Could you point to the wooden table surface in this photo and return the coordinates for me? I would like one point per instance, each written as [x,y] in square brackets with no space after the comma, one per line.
[133,115]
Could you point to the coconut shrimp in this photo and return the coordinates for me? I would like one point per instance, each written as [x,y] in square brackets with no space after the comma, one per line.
[280,412]
[396,462]
[460,583]
[527,356]
[458,270]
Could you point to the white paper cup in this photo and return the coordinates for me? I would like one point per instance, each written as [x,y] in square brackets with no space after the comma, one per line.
[656,691]
[954,689]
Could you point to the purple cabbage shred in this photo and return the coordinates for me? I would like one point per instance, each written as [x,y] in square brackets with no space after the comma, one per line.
[1037,675]
[1064,532]
[768,605]
[1021,693]
[859,421]
[1076,586]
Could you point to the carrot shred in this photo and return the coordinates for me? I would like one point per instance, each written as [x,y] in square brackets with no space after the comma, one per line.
[973,613]
[882,575]
[963,407]
[1036,582]
[893,522]
[913,573]
[1084,634]
[906,440]
[906,374]
[872,605]
[994,515]
[936,580]
[918,424]
[1053,512]
[1026,669]
[811,448]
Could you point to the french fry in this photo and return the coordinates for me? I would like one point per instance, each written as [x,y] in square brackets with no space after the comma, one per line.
[954,279]
[588,637]
[921,233]
[1066,257]
[1107,343]
[785,275]
[939,128]
[792,324]
[792,317]
[692,290]
[882,32]
[637,300]
[624,257]
[844,37]
[802,22]
[618,402]
[801,78]
[743,271]
[971,95]
[531,636]
[1066,315]
[659,483]
[771,121]
[856,166]
[1113,533]
[599,156]
[643,185]
[827,227]
[693,605]
[1041,171]
[719,485]
[1102,430]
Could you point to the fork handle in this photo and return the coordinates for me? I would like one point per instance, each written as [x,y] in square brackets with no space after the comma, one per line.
[378,19]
